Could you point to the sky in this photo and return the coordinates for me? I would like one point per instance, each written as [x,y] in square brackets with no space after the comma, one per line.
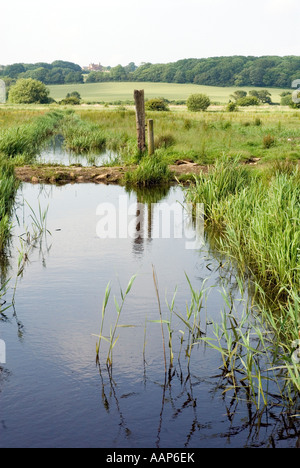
[116,32]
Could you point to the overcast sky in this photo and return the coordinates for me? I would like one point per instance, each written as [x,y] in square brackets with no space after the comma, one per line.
[122,31]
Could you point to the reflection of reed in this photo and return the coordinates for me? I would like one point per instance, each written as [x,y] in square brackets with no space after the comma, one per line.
[113,393]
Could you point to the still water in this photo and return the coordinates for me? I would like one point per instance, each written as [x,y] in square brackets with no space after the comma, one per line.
[52,392]
[56,153]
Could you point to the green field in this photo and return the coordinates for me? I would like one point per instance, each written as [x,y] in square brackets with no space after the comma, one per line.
[110,92]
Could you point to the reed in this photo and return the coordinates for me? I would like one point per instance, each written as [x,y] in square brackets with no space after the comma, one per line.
[112,339]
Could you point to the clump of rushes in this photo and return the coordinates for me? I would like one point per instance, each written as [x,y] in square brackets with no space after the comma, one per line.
[27,139]
[151,171]
[82,136]
[256,221]
[8,189]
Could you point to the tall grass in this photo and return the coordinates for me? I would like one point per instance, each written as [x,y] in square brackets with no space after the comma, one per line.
[27,139]
[8,189]
[152,171]
[82,136]
[256,222]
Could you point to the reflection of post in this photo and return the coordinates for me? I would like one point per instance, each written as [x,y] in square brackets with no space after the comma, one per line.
[151,148]
[149,221]
[139,227]
[139,98]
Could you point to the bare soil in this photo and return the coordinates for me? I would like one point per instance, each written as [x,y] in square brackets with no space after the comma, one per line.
[98,175]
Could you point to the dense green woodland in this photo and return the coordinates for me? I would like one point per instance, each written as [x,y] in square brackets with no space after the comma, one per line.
[269,71]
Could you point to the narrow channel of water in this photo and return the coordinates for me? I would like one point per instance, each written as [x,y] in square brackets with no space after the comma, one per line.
[53,394]
[55,153]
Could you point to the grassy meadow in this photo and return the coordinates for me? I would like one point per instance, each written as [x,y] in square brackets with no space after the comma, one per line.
[112,92]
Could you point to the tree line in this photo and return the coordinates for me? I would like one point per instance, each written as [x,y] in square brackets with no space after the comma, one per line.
[268,71]
[58,72]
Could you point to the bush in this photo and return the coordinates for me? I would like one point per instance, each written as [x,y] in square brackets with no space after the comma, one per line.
[29,91]
[198,102]
[248,101]
[156,105]
[268,141]
[232,107]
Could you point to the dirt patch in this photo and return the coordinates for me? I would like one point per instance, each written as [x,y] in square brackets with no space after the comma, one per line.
[97,175]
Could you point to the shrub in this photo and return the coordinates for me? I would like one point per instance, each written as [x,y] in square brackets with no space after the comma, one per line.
[29,91]
[198,102]
[164,141]
[157,105]
[232,107]
[248,101]
[268,141]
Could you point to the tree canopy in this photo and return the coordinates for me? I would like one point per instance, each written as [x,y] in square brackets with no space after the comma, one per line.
[29,91]
[240,71]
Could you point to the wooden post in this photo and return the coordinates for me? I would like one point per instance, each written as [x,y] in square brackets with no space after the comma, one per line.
[151,148]
[139,98]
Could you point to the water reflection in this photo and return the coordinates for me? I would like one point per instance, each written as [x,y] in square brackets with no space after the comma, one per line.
[56,153]
[55,390]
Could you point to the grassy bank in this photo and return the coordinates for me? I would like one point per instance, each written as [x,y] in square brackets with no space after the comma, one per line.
[25,140]
[254,217]
[8,190]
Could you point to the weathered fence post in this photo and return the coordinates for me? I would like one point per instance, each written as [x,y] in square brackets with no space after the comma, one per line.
[151,148]
[139,99]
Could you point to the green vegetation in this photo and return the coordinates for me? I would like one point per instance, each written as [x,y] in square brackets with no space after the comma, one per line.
[26,140]
[122,93]
[151,171]
[217,71]
[29,91]
[156,105]
[58,72]
[8,189]
[269,71]
[256,214]
[198,102]
[81,136]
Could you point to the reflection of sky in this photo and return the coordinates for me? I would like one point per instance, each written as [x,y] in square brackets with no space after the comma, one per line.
[55,153]
[54,378]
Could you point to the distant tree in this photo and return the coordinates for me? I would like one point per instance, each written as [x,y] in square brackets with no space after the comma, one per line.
[73,99]
[198,102]
[157,104]
[263,95]
[232,107]
[248,101]
[74,77]
[118,73]
[13,71]
[238,95]
[29,91]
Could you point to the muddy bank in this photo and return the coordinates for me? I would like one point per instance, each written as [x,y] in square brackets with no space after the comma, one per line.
[98,175]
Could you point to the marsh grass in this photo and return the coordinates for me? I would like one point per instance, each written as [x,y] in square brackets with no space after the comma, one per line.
[8,190]
[28,138]
[82,136]
[152,171]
